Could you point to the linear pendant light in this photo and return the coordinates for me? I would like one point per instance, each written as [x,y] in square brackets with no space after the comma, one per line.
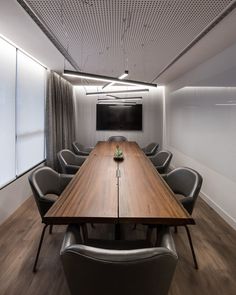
[124,75]
[122,98]
[117,91]
[109,102]
[95,77]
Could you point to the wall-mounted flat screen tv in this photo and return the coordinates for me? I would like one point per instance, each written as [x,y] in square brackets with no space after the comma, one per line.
[119,117]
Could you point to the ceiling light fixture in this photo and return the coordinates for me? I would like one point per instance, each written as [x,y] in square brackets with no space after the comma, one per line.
[122,98]
[225,104]
[126,73]
[96,77]
[116,103]
[117,91]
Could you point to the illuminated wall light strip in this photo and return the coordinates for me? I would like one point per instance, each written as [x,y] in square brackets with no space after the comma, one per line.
[95,77]
[225,104]
[22,50]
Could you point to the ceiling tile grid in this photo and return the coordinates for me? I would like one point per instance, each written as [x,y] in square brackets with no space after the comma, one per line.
[110,36]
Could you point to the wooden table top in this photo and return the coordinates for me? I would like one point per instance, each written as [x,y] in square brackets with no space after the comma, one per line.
[110,192]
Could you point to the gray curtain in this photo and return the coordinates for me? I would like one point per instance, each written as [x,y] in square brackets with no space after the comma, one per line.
[60,120]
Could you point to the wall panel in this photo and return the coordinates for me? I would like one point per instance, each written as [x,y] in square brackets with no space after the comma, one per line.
[86,118]
[201,128]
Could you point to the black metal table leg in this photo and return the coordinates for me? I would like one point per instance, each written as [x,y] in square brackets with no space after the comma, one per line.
[39,247]
[117,231]
[50,229]
[191,246]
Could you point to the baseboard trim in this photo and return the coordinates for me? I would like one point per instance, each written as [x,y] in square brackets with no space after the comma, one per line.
[223,214]
[231,221]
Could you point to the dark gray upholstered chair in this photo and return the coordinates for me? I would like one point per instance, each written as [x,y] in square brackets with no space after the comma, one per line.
[187,183]
[150,149]
[117,138]
[70,162]
[81,150]
[161,161]
[93,271]
[46,185]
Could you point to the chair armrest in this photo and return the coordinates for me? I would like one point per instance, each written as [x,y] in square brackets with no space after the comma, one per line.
[64,180]
[72,237]
[88,149]
[44,204]
[82,153]
[152,159]
[73,244]
[47,200]
[165,240]
[188,203]
[164,176]
[80,160]
[72,169]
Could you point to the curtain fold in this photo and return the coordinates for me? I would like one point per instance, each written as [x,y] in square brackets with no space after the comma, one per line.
[60,118]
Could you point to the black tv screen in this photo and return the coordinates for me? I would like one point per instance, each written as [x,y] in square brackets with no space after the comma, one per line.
[119,117]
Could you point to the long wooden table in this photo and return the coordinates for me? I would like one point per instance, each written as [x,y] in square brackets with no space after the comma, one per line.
[109,192]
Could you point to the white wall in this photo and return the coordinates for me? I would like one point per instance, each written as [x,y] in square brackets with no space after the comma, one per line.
[13,195]
[18,27]
[86,117]
[201,128]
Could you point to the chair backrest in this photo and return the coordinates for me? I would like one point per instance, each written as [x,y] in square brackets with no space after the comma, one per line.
[92,271]
[151,148]
[66,157]
[117,138]
[186,182]
[162,160]
[43,181]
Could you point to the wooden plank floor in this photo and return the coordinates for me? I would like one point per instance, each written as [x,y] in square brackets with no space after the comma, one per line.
[214,240]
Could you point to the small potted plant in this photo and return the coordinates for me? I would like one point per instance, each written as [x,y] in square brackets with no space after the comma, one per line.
[118,155]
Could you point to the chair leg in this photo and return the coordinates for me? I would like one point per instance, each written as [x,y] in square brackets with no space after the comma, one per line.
[50,229]
[117,231]
[191,246]
[39,247]
[84,232]
[135,226]
[149,234]
[176,230]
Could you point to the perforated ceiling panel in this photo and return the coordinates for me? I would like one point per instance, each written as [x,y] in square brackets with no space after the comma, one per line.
[110,36]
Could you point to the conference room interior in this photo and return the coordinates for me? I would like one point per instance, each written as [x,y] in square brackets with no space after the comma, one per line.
[118,136]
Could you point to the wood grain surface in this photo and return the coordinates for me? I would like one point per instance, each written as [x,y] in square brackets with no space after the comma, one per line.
[91,195]
[105,148]
[214,242]
[106,191]
[144,196]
